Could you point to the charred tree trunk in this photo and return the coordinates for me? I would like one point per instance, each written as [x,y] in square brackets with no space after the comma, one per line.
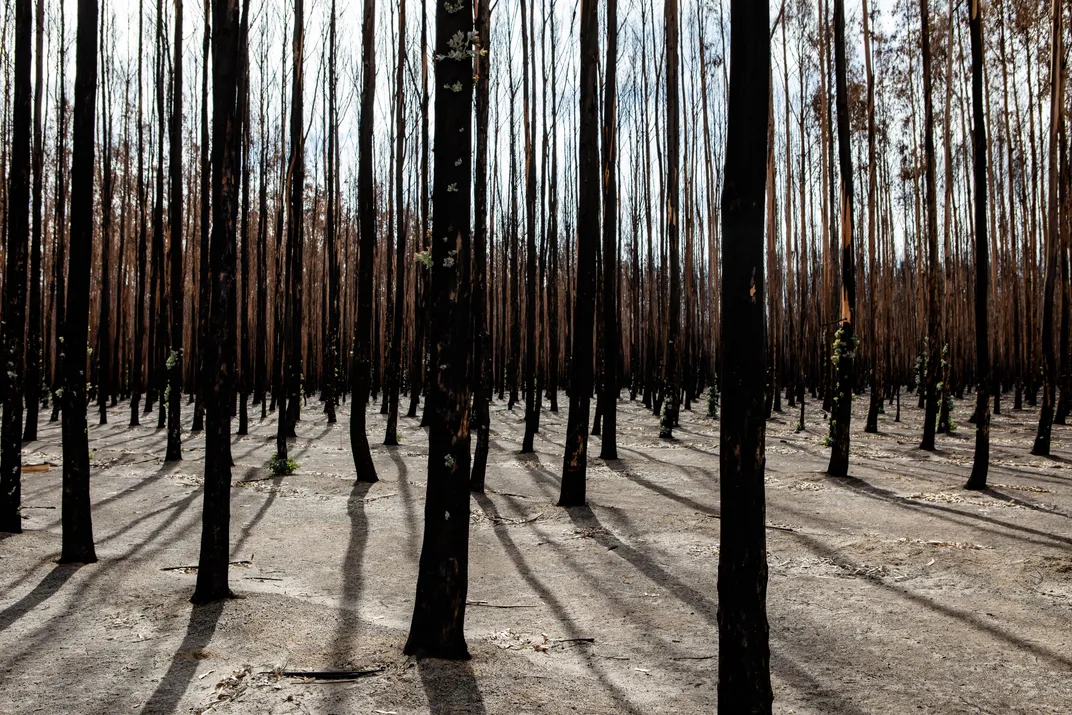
[394,368]
[218,376]
[33,334]
[743,651]
[18,234]
[672,398]
[844,350]
[173,396]
[1049,357]
[77,520]
[575,460]
[934,335]
[981,463]
[442,580]
[482,382]
[611,335]
[366,207]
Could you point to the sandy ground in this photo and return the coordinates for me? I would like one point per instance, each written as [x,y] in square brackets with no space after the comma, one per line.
[892,591]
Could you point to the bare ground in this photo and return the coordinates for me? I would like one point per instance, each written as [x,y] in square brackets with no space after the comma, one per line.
[892,591]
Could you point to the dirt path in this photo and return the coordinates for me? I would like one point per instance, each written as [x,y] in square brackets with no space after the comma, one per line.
[892,591]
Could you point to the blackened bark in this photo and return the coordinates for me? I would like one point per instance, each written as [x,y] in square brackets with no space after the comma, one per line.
[672,394]
[1049,357]
[394,370]
[743,634]
[611,337]
[366,207]
[442,581]
[575,460]
[981,463]
[177,292]
[137,380]
[843,354]
[18,235]
[218,377]
[482,382]
[33,335]
[934,335]
[204,293]
[77,521]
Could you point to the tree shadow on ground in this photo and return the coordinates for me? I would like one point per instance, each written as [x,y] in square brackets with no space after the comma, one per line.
[450,686]
[540,588]
[199,631]
[45,589]
[352,577]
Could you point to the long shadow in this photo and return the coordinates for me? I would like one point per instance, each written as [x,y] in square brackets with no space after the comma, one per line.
[860,486]
[661,490]
[967,618]
[536,583]
[450,686]
[406,493]
[1009,499]
[45,589]
[583,517]
[176,680]
[273,493]
[352,577]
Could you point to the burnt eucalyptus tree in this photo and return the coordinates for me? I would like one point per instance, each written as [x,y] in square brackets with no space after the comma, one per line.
[442,580]
[77,520]
[137,379]
[290,396]
[33,334]
[394,370]
[18,234]
[743,634]
[176,292]
[981,463]
[366,209]
[331,351]
[482,377]
[218,376]
[844,350]
[934,335]
[668,419]
[532,413]
[575,459]
[1041,446]
[611,338]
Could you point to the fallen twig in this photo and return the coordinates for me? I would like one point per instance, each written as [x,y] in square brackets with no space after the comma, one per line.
[43,467]
[694,657]
[244,562]
[38,507]
[498,605]
[334,675]
[573,640]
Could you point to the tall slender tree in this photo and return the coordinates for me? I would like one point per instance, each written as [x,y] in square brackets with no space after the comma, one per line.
[482,378]
[18,235]
[33,333]
[437,629]
[1041,446]
[366,208]
[844,350]
[218,375]
[77,520]
[394,371]
[177,290]
[981,462]
[743,634]
[611,334]
[672,398]
[934,335]
[575,459]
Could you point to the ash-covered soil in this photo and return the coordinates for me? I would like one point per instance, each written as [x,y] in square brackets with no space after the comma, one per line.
[892,591]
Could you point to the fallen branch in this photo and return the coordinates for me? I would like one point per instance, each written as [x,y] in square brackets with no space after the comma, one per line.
[769,526]
[334,675]
[573,640]
[43,467]
[498,605]
[244,562]
[38,507]
[695,657]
